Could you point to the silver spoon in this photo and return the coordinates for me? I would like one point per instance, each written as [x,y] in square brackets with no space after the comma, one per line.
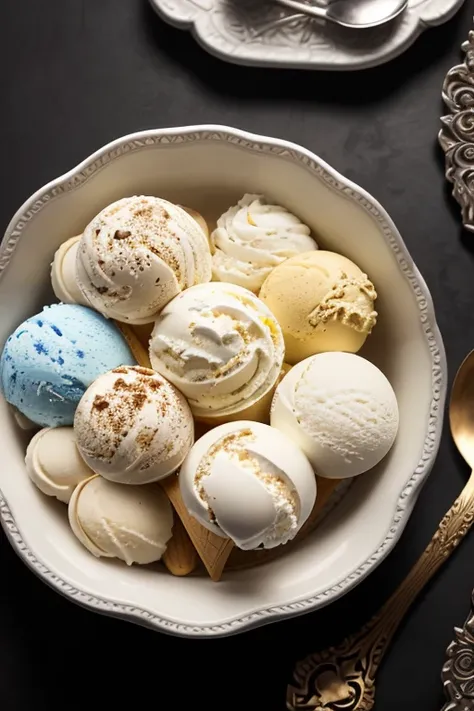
[358,14]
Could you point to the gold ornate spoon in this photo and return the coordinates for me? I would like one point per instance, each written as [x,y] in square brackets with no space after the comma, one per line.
[342,678]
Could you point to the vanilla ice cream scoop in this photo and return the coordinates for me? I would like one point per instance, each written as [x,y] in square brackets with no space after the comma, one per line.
[133,523]
[323,302]
[137,254]
[54,464]
[340,409]
[250,483]
[252,238]
[132,426]
[63,274]
[220,346]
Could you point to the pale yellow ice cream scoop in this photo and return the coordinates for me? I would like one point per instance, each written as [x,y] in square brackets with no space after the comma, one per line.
[323,302]
[132,523]
[54,464]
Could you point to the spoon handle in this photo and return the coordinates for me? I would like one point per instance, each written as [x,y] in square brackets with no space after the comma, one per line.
[345,675]
[302,7]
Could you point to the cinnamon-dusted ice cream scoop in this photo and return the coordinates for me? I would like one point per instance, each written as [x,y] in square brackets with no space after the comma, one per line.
[221,346]
[323,302]
[137,254]
[133,427]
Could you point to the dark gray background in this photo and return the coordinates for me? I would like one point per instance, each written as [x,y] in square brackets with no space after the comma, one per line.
[78,73]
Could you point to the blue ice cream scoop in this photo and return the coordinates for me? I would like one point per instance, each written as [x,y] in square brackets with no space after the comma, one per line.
[52,358]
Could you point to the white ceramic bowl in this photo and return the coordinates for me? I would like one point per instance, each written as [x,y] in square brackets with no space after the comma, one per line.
[209,168]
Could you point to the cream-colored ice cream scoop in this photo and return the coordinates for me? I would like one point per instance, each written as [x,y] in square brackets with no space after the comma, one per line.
[54,464]
[247,481]
[137,254]
[132,523]
[322,301]
[252,238]
[340,409]
[132,426]
[220,346]
[63,274]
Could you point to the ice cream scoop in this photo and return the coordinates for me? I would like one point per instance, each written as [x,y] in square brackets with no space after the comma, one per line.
[137,254]
[132,426]
[340,409]
[323,302]
[247,481]
[197,217]
[51,359]
[252,238]
[220,345]
[54,464]
[63,274]
[132,523]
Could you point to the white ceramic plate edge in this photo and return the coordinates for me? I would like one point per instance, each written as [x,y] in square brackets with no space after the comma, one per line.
[408,495]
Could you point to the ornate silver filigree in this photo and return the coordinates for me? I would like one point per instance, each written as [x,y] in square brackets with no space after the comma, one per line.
[458,671]
[457,135]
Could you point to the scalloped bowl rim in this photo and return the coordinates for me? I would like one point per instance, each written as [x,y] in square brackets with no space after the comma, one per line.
[407,497]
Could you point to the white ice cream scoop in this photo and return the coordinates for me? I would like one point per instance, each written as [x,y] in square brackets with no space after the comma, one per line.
[132,426]
[252,238]
[220,345]
[54,464]
[133,523]
[137,254]
[340,409]
[247,481]
[63,274]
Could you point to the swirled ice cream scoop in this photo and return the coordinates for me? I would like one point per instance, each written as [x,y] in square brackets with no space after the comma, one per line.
[133,427]
[252,238]
[220,346]
[137,254]
[246,481]
[133,523]
[63,274]
[54,464]
[340,409]
[323,302]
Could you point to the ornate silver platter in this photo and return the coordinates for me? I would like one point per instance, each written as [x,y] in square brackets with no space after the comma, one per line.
[457,140]
[262,33]
[457,134]
[458,671]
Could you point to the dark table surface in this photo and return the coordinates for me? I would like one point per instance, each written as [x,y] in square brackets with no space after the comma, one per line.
[78,73]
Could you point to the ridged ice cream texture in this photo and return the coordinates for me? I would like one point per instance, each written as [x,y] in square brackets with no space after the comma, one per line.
[51,359]
[137,254]
[63,273]
[133,427]
[252,238]
[132,523]
[54,464]
[340,409]
[323,302]
[247,481]
[220,345]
